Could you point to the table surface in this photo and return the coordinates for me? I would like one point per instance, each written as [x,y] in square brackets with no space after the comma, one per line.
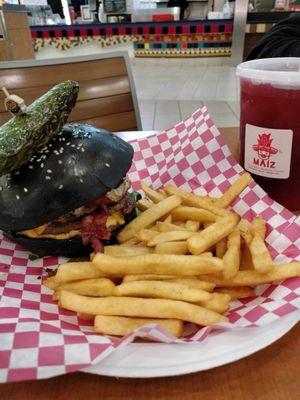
[271,374]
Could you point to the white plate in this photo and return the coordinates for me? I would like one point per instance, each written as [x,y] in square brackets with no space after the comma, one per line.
[152,360]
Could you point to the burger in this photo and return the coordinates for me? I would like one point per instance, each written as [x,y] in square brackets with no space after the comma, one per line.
[72,196]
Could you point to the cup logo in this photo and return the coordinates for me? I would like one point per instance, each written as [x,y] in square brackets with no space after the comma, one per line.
[264,147]
[268,151]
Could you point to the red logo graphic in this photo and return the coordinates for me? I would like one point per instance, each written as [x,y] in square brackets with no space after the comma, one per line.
[264,147]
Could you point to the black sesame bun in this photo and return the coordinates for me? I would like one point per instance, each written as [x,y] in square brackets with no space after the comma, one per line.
[76,167]
[44,247]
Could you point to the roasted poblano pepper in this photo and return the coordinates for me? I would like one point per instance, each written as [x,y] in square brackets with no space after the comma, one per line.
[23,135]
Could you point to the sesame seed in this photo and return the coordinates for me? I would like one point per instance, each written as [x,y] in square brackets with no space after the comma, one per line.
[68,143]
[81,180]
[49,171]
[47,177]
[17,197]
[59,162]
[17,173]
[82,149]
[1,188]
[72,145]
[60,186]
[107,165]
[30,166]
[25,190]
[42,165]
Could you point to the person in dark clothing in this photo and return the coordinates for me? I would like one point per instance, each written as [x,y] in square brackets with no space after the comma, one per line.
[179,3]
[282,40]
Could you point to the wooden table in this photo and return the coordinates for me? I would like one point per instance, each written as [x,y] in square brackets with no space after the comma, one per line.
[271,374]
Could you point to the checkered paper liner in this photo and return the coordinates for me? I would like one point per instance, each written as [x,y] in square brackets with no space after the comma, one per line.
[40,340]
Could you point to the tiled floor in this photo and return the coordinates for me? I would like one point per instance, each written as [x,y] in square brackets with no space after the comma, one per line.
[169,90]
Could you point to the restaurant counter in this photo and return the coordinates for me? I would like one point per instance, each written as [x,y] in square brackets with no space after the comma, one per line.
[150,39]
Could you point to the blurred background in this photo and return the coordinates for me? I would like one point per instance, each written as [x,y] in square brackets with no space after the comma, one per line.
[183,53]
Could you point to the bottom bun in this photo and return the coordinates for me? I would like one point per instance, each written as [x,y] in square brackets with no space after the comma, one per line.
[71,248]
[51,247]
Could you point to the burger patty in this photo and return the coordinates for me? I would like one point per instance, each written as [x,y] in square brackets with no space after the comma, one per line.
[94,222]
[55,228]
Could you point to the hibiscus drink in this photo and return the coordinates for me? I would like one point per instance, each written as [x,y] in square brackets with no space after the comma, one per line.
[270,126]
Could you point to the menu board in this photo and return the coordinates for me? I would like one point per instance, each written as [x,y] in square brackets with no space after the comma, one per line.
[114,6]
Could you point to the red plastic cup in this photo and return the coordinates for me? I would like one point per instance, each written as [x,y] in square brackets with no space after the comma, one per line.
[270,126]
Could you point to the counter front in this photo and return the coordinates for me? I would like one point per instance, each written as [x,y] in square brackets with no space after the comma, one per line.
[150,39]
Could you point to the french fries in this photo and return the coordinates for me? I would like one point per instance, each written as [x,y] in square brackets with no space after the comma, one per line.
[144,235]
[221,247]
[149,277]
[157,264]
[126,251]
[261,258]
[190,199]
[51,283]
[171,248]
[120,326]
[218,303]
[85,317]
[231,194]
[148,217]
[168,227]
[131,242]
[140,307]
[236,292]
[232,256]
[193,213]
[174,236]
[202,241]
[193,226]
[75,271]
[156,197]
[144,204]
[184,258]
[98,287]
[162,289]
[259,226]
[279,272]
[192,282]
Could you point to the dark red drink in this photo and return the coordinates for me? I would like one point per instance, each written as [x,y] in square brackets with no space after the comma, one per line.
[270,130]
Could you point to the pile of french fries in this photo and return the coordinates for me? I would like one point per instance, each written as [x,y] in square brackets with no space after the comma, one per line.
[184,258]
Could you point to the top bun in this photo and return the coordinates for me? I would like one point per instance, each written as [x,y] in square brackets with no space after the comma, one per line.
[76,167]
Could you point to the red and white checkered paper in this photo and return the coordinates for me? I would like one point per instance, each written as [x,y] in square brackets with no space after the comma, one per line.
[40,340]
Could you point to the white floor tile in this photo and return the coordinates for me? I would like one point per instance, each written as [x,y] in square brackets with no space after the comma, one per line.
[167,114]
[224,120]
[206,89]
[147,112]
[147,123]
[188,107]
[217,107]
[235,107]
[171,89]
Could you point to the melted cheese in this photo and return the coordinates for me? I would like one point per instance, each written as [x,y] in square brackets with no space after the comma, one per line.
[62,236]
[114,220]
[36,232]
